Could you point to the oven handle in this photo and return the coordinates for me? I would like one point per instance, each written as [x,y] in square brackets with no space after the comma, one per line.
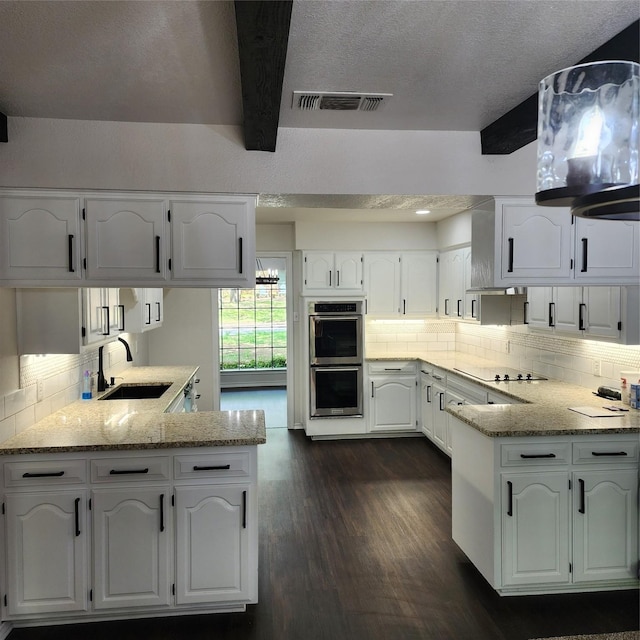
[330,316]
[355,367]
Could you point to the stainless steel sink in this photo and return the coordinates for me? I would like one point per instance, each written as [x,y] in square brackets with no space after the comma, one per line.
[136,391]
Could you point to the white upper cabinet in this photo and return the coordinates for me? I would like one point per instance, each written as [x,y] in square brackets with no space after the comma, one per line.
[400,283]
[126,238]
[213,239]
[40,238]
[339,272]
[143,309]
[536,242]
[606,250]
[452,296]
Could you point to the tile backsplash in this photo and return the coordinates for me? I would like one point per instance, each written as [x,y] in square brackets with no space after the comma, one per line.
[60,380]
[563,358]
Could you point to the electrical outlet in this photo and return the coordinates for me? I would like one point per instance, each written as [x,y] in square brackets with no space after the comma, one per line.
[597,368]
[39,390]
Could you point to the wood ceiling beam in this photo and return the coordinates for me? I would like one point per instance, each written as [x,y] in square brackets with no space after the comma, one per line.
[263,35]
[4,134]
[519,127]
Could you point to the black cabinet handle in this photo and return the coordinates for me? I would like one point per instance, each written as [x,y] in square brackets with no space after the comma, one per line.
[124,472]
[525,313]
[148,307]
[528,456]
[585,251]
[121,308]
[510,266]
[441,402]
[459,303]
[70,239]
[244,509]
[608,453]
[404,306]
[162,512]
[337,278]
[105,310]
[240,255]
[77,514]
[52,474]
[329,277]
[473,307]
[429,394]
[509,498]
[552,308]
[158,315]
[212,468]
[372,389]
[581,483]
[393,368]
[157,254]
[446,306]
[581,308]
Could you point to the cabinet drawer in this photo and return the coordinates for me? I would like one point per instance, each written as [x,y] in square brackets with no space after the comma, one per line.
[393,367]
[134,469]
[606,452]
[23,474]
[212,465]
[533,453]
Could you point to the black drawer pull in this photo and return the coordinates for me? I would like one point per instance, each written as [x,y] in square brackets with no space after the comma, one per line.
[537,455]
[123,472]
[609,453]
[51,474]
[510,498]
[220,467]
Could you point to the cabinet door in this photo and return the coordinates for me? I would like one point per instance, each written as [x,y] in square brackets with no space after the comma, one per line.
[348,270]
[601,311]
[471,300]
[538,314]
[214,240]
[393,403]
[536,243]
[605,525]
[40,238]
[318,271]
[451,295]
[439,416]
[607,250]
[131,545]
[143,309]
[419,283]
[126,239]
[566,309]
[96,309]
[46,552]
[426,404]
[382,283]
[451,399]
[212,543]
[535,528]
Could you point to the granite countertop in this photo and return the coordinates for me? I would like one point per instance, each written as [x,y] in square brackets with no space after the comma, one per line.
[544,408]
[103,425]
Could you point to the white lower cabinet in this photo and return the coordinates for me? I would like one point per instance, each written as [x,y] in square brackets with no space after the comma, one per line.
[86,537]
[393,396]
[547,515]
[46,552]
[212,544]
[131,547]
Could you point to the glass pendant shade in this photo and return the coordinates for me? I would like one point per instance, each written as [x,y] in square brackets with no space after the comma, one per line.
[588,135]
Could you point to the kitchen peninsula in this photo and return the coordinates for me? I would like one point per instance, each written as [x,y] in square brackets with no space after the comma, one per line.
[137,512]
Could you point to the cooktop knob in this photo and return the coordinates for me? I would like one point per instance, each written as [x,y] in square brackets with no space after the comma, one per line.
[519,376]
[497,378]
[506,376]
[528,376]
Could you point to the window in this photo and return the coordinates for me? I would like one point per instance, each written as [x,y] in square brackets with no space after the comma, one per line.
[253,326]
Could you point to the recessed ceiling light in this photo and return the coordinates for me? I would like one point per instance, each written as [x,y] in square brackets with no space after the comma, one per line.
[423,212]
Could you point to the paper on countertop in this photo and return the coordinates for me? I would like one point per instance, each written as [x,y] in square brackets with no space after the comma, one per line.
[598,412]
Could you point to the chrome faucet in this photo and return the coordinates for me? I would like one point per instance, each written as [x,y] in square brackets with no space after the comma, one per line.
[102,381]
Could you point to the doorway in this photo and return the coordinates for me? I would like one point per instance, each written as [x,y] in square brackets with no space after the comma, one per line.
[255,343]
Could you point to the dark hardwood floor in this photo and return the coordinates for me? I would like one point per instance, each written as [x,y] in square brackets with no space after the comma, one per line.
[355,545]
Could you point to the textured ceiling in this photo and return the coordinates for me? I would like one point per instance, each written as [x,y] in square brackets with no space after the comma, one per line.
[450,64]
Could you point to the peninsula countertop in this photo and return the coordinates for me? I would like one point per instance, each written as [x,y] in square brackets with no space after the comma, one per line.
[544,408]
[103,425]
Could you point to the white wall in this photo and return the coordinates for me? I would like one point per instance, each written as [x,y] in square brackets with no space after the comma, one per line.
[8,342]
[275,237]
[187,337]
[181,157]
[454,231]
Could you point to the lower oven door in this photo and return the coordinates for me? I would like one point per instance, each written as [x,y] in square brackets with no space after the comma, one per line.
[336,391]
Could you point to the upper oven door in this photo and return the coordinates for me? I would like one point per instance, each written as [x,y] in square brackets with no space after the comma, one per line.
[335,339]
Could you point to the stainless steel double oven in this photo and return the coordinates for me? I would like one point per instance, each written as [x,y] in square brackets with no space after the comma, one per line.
[335,358]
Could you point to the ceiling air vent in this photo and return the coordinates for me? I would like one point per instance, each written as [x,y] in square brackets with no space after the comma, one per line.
[338,101]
